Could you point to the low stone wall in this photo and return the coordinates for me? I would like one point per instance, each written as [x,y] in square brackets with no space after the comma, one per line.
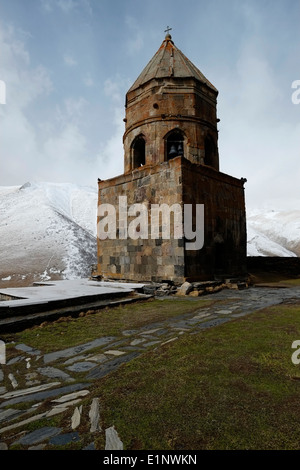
[277,265]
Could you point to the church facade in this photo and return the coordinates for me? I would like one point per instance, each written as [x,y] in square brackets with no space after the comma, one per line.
[171,161]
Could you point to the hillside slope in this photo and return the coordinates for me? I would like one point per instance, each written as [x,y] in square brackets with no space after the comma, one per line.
[46,231]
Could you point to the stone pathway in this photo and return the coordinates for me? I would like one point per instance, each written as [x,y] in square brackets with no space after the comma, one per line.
[36,386]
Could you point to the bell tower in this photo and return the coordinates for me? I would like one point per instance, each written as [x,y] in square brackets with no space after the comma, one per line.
[171,110]
[171,159]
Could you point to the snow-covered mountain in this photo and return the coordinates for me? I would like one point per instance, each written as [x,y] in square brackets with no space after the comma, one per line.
[48,230]
[273,233]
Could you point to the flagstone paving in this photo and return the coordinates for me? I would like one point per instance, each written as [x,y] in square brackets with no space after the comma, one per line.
[59,381]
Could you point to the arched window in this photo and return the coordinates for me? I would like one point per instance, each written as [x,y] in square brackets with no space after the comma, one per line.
[138,152]
[209,151]
[174,145]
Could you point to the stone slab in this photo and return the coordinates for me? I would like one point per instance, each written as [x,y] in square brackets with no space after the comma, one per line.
[98,358]
[115,353]
[74,351]
[29,391]
[64,439]
[94,415]
[113,442]
[9,414]
[52,372]
[39,396]
[110,366]
[38,436]
[14,360]
[28,349]
[71,396]
[81,366]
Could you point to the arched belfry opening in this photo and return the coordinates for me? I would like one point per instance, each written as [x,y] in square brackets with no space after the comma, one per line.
[138,152]
[174,144]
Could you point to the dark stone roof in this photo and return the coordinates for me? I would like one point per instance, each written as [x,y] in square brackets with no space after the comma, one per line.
[169,61]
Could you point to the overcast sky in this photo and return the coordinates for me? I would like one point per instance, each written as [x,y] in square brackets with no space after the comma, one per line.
[67,65]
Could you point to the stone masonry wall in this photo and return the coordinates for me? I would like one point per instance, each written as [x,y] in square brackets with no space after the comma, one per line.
[150,259]
[224,250]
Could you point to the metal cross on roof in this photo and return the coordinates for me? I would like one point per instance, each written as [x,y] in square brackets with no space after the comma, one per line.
[168,29]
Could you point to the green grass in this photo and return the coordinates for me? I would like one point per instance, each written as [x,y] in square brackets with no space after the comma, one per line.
[69,332]
[230,387]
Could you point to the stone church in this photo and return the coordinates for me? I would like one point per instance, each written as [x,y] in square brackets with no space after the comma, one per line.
[171,157]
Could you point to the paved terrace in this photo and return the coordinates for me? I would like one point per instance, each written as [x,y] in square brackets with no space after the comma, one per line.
[29,305]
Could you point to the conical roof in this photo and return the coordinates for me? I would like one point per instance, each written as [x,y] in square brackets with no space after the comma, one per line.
[169,61]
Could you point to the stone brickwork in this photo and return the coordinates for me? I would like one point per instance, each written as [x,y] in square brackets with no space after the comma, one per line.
[142,259]
[224,250]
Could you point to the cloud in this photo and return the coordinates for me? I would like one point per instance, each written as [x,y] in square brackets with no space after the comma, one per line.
[53,148]
[70,61]
[258,138]
[136,41]
[88,81]
[66,5]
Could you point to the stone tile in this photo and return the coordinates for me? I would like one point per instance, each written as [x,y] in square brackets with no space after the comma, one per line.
[90,446]
[130,332]
[14,360]
[113,442]
[81,366]
[28,349]
[3,446]
[150,332]
[39,435]
[37,447]
[1,375]
[61,408]
[169,341]
[151,343]
[13,381]
[27,391]
[76,350]
[94,415]
[53,373]
[9,414]
[135,342]
[64,439]
[76,417]
[23,423]
[45,394]
[82,357]
[71,396]
[2,390]
[115,353]
[109,366]
[98,358]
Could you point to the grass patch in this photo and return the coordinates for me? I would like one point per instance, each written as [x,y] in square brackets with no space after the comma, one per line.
[70,332]
[230,387]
